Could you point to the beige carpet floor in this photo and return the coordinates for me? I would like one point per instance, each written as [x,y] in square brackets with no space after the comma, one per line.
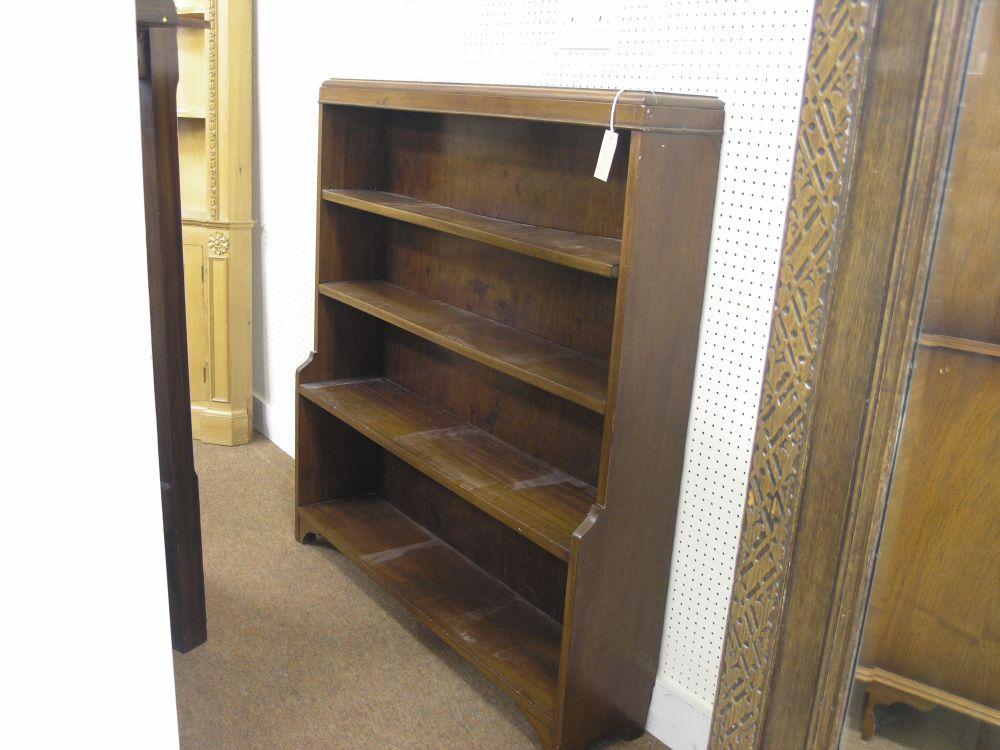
[304,651]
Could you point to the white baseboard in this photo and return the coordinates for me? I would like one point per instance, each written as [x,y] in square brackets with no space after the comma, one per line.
[274,424]
[678,719]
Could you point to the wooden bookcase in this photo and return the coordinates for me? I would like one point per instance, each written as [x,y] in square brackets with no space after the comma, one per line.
[492,423]
[214,121]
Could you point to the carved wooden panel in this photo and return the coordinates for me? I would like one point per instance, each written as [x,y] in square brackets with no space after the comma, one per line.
[832,89]
[212,113]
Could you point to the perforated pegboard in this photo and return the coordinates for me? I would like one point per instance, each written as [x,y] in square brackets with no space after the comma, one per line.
[749,54]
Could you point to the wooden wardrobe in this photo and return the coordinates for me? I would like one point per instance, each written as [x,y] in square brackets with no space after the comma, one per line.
[932,636]
[492,424]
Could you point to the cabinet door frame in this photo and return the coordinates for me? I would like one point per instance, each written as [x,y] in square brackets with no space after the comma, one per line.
[881,96]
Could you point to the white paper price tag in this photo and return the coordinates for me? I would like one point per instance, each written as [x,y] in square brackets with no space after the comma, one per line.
[607,155]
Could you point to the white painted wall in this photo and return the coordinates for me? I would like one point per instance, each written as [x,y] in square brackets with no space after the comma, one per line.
[86,641]
[751,55]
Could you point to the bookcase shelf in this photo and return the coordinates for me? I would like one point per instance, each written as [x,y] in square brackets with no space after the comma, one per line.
[554,368]
[492,422]
[529,496]
[599,255]
[501,633]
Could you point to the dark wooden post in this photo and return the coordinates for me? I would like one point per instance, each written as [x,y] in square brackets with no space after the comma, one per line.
[157,47]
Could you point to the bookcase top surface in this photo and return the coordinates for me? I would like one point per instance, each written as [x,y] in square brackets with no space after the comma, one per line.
[636,110]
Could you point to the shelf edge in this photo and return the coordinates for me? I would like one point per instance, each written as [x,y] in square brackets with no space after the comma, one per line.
[560,390]
[567,260]
[333,537]
[547,543]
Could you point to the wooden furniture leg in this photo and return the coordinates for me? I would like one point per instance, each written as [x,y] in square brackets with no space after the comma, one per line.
[877,695]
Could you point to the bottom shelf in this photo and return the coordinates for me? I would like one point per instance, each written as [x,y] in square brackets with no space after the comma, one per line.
[502,634]
[886,687]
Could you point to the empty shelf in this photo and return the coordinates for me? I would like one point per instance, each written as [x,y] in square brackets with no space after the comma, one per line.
[499,632]
[585,252]
[547,365]
[535,499]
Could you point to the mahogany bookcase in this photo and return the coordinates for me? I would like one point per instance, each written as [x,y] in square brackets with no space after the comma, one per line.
[492,423]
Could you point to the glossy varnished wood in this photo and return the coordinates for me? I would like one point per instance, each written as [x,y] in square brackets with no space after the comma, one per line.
[531,497]
[599,255]
[499,632]
[556,369]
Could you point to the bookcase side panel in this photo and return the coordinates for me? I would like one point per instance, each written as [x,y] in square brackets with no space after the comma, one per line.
[347,242]
[620,563]
[332,460]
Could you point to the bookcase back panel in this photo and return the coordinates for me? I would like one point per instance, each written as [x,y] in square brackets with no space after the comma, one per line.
[352,153]
[527,569]
[546,426]
[570,307]
[339,462]
[334,460]
[350,244]
[529,172]
[554,430]
[353,349]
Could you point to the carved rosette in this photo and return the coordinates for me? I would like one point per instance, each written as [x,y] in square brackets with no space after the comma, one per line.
[839,38]
[218,245]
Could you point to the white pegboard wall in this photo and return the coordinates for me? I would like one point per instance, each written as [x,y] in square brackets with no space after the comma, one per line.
[749,54]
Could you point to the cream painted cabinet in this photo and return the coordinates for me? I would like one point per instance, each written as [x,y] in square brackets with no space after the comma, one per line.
[214,111]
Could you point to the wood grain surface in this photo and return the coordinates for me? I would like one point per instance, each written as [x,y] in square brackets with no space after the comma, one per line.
[531,497]
[635,110]
[556,369]
[476,320]
[585,252]
[935,604]
[495,629]
[158,72]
